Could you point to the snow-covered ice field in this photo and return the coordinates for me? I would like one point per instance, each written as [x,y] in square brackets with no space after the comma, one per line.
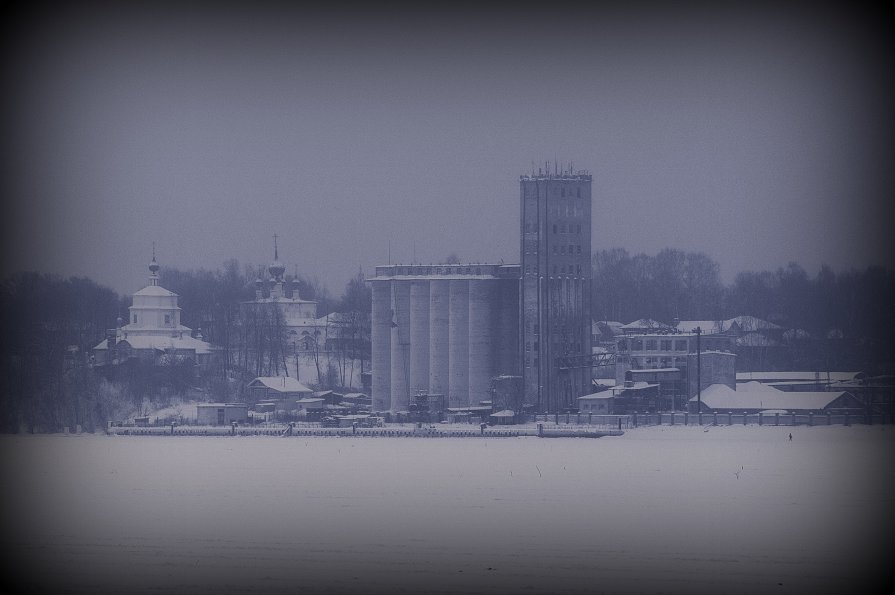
[658,510]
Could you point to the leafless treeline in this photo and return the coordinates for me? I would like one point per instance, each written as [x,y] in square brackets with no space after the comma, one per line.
[845,318]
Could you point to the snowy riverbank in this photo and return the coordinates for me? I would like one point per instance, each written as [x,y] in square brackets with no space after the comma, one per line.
[660,509]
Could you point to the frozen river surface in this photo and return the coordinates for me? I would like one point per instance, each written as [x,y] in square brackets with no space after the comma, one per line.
[658,510]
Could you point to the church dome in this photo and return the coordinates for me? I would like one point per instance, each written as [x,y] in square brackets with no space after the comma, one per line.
[276,269]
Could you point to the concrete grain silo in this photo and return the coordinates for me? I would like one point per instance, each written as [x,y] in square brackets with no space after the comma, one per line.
[458,336]
[482,294]
[419,336]
[400,345]
[380,337]
[439,354]
[507,354]
[442,330]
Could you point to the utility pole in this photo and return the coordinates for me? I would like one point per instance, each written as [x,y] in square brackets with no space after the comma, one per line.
[698,370]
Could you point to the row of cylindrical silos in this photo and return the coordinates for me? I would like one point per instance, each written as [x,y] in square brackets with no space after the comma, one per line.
[442,336]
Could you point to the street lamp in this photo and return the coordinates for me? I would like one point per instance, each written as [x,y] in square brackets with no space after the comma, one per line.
[698,370]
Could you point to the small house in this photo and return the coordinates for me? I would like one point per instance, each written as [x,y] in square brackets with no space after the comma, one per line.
[284,390]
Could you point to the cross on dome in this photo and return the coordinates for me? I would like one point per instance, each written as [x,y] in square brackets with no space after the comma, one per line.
[276,268]
[153,268]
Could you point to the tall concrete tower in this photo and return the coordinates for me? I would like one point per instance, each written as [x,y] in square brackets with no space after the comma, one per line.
[555,295]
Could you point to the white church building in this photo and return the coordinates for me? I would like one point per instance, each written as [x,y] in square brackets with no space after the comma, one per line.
[153,331]
[299,317]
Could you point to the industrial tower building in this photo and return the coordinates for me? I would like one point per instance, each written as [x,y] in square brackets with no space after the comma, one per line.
[555,289]
[449,329]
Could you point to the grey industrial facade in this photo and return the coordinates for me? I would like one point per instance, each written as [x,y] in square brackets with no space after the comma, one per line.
[443,330]
[555,229]
[450,329]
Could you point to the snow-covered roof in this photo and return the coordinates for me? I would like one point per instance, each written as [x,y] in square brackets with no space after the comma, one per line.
[618,388]
[504,413]
[607,327]
[279,300]
[644,323]
[283,384]
[163,343]
[325,393]
[745,323]
[594,396]
[155,290]
[722,397]
[809,376]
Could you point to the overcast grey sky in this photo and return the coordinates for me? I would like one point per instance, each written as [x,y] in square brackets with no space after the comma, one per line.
[758,135]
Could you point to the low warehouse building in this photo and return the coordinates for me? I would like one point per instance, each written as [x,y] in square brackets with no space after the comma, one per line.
[601,403]
[221,414]
[755,398]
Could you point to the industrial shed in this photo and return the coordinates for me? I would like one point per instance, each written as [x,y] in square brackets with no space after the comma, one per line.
[601,403]
[756,397]
[221,414]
